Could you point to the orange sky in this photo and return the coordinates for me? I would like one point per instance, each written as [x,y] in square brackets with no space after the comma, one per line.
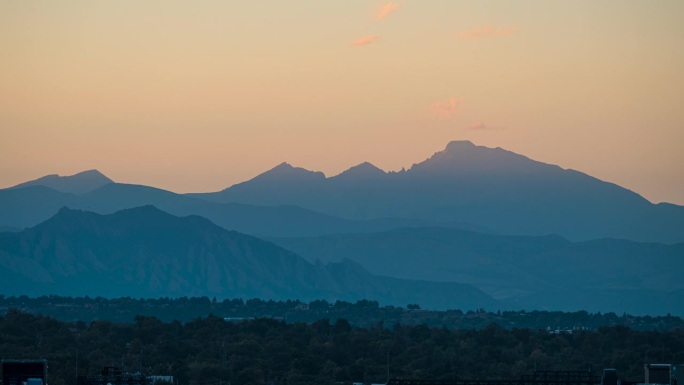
[196,96]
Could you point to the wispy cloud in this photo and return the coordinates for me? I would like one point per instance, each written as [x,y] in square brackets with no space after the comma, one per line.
[482,126]
[487,32]
[366,40]
[386,10]
[445,108]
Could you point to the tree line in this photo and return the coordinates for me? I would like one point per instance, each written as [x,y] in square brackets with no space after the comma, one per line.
[361,313]
[211,350]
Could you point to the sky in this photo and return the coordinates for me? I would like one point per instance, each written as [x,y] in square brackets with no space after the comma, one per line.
[195,96]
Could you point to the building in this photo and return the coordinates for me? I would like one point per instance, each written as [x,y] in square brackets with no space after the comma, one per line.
[24,372]
[112,375]
[664,374]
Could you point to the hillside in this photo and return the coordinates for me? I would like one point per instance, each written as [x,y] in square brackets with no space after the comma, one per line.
[27,206]
[145,252]
[546,272]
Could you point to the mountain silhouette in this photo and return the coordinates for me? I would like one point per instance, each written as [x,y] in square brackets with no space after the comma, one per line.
[363,171]
[526,233]
[488,187]
[26,207]
[145,252]
[464,186]
[80,183]
[545,272]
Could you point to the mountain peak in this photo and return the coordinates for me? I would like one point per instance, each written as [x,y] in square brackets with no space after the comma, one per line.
[459,145]
[283,166]
[79,183]
[465,157]
[143,210]
[67,220]
[66,211]
[366,167]
[287,171]
[94,173]
[144,218]
[363,171]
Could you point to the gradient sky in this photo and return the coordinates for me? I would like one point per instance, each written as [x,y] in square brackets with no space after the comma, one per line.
[198,95]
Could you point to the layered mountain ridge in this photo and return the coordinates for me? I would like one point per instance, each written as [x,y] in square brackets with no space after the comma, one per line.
[529,234]
[488,187]
[464,186]
[79,183]
[543,272]
[26,207]
[145,252]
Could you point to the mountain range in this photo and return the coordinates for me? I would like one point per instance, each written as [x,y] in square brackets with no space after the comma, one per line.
[27,206]
[80,183]
[464,186]
[542,272]
[487,187]
[145,252]
[511,231]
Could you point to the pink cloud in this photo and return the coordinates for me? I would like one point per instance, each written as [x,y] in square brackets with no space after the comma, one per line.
[366,40]
[386,10]
[446,108]
[487,32]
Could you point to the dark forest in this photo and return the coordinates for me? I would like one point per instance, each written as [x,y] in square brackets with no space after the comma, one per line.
[211,350]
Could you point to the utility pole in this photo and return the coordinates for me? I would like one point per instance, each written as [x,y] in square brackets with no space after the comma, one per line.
[388,367]
[223,348]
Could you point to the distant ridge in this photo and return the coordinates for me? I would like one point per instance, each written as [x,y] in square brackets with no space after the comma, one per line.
[364,170]
[80,183]
[286,171]
[489,187]
[464,157]
[146,252]
[544,272]
[463,186]
[27,206]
